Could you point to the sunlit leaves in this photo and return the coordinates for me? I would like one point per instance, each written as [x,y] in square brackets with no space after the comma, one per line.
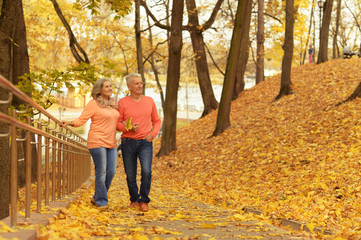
[296,158]
[120,7]
[44,85]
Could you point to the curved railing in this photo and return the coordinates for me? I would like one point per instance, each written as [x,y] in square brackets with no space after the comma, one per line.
[63,160]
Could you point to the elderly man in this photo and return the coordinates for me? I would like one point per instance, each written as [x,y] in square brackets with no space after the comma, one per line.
[140,124]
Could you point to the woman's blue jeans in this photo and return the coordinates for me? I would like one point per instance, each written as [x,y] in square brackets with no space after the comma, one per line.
[131,150]
[105,160]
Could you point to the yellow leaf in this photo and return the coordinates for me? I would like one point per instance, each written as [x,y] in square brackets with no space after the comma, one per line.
[6,228]
[310,226]
[128,124]
[209,225]
[240,217]
[138,236]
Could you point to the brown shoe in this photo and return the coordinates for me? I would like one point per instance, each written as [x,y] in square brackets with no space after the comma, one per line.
[144,207]
[134,204]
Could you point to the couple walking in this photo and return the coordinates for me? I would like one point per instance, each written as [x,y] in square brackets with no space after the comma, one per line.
[137,118]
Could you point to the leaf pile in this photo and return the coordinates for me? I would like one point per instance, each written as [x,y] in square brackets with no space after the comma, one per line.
[297,158]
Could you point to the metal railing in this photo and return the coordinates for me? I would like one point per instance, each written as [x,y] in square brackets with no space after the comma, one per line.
[63,160]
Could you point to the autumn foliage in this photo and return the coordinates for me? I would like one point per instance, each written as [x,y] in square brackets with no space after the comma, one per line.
[297,158]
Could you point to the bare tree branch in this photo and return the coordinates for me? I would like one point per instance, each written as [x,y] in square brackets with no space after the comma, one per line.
[156,21]
[73,43]
[214,62]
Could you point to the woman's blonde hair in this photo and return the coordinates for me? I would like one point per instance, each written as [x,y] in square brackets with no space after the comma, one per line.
[98,86]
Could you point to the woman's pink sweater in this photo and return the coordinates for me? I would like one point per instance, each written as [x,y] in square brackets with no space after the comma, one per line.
[103,125]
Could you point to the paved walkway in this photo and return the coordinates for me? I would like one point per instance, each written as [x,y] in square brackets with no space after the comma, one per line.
[189,219]
[172,216]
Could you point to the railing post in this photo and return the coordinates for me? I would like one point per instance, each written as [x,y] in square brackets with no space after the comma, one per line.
[39,164]
[70,161]
[47,168]
[53,166]
[65,165]
[28,161]
[13,173]
[61,187]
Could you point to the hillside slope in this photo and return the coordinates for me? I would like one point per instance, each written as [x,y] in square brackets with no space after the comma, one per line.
[297,158]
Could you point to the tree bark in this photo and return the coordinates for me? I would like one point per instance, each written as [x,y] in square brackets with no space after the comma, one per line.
[244,51]
[200,58]
[260,43]
[335,51]
[20,67]
[326,20]
[8,18]
[168,142]
[138,41]
[354,95]
[223,120]
[288,51]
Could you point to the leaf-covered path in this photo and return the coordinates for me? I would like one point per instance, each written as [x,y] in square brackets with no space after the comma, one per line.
[296,158]
[172,216]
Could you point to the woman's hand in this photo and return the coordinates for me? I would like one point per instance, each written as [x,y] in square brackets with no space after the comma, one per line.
[66,123]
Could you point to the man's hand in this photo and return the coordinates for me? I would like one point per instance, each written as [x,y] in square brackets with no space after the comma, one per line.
[135,127]
[149,138]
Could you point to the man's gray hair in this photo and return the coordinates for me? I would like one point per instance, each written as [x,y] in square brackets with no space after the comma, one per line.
[129,77]
[98,86]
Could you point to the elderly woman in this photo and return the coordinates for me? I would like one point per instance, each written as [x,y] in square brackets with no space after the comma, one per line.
[102,110]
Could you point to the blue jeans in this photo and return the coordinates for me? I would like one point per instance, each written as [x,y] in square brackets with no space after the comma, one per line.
[105,160]
[131,150]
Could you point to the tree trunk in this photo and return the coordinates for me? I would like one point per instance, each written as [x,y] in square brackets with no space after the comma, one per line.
[8,18]
[20,67]
[260,43]
[138,41]
[335,51]
[309,33]
[326,20]
[244,51]
[200,58]
[354,95]
[288,51]
[168,142]
[223,121]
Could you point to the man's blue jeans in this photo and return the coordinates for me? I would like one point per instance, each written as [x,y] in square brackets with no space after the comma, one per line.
[105,160]
[131,150]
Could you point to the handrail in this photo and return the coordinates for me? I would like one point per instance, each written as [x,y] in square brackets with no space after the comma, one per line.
[9,120]
[4,83]
[66,158]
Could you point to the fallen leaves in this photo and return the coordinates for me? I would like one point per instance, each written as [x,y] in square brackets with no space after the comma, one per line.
[296,158]
[287,157]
